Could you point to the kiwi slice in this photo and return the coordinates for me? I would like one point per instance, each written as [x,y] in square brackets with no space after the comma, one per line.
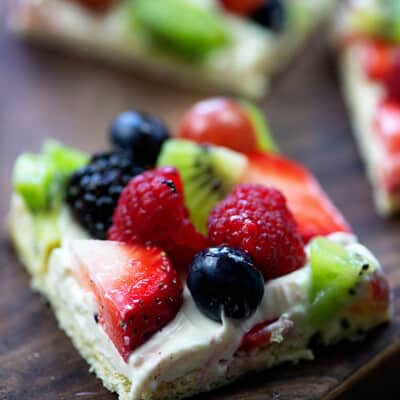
[32,178]
[208,174]
[40,178]
[185,27]
[391,27]
[66,159]
[264,137]
[335,274]
[382,19]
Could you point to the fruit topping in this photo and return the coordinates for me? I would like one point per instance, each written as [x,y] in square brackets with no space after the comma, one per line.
[312,209]
[32,178]
[208,172]
[99,6]
[141,134]
[243,7]
[271,15]
[224,282]
[256,337]
[188,28]
[377,58]
[151,209]
[392,79]
[387,123]
[265,140]
[65,159]
[136,288]
[378,19]
[93,191]
[380,290]
[392,16]
[40,178]
[336,271]
[255,219]
[227,122]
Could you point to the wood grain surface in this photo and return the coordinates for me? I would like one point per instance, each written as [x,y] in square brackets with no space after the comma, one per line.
[44,93]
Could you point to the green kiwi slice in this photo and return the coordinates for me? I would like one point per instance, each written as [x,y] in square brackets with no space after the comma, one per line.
[208,173]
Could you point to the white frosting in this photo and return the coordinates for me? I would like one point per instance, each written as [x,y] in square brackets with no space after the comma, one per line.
[191,341]
[363,96]
[242,65]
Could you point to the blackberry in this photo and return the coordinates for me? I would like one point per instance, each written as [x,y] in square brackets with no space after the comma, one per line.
[93,191]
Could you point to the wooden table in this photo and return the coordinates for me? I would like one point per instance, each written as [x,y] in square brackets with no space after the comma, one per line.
[52,94]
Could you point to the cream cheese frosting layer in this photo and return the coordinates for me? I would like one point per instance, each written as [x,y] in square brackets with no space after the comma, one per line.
[363,97]
[190,342]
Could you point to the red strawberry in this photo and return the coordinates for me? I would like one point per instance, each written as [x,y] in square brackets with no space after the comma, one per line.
[387,122]
[256,337]
[151,209]
[392,79]
[377,58]
[136,288]
[96,5]
[244,7]
[311,207]
[380,290]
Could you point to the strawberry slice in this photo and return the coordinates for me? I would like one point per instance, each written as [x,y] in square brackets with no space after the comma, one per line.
[98,6]
[243,7]
[387,123]
[380,290]
[136,288]
[256,337]
[314,213]
[377,58]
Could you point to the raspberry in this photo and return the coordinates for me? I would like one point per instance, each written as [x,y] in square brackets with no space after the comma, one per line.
[151,210]
[255,219]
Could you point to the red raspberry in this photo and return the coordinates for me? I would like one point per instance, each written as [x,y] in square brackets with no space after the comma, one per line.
[255,218]
[151,209]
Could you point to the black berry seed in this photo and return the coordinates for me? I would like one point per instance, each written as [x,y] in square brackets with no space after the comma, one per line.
[170,184]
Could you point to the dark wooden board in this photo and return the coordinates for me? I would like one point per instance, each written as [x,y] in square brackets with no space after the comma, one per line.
[44,93]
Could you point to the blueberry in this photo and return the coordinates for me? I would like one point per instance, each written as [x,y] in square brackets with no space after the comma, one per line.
[141,134]
[271,15]
[223,279]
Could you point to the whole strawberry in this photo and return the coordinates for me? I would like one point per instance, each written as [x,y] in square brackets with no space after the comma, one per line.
[151,209]
[255,219]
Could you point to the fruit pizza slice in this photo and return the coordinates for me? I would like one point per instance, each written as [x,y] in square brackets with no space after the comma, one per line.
[176,264]
[368,37]
[231,45]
